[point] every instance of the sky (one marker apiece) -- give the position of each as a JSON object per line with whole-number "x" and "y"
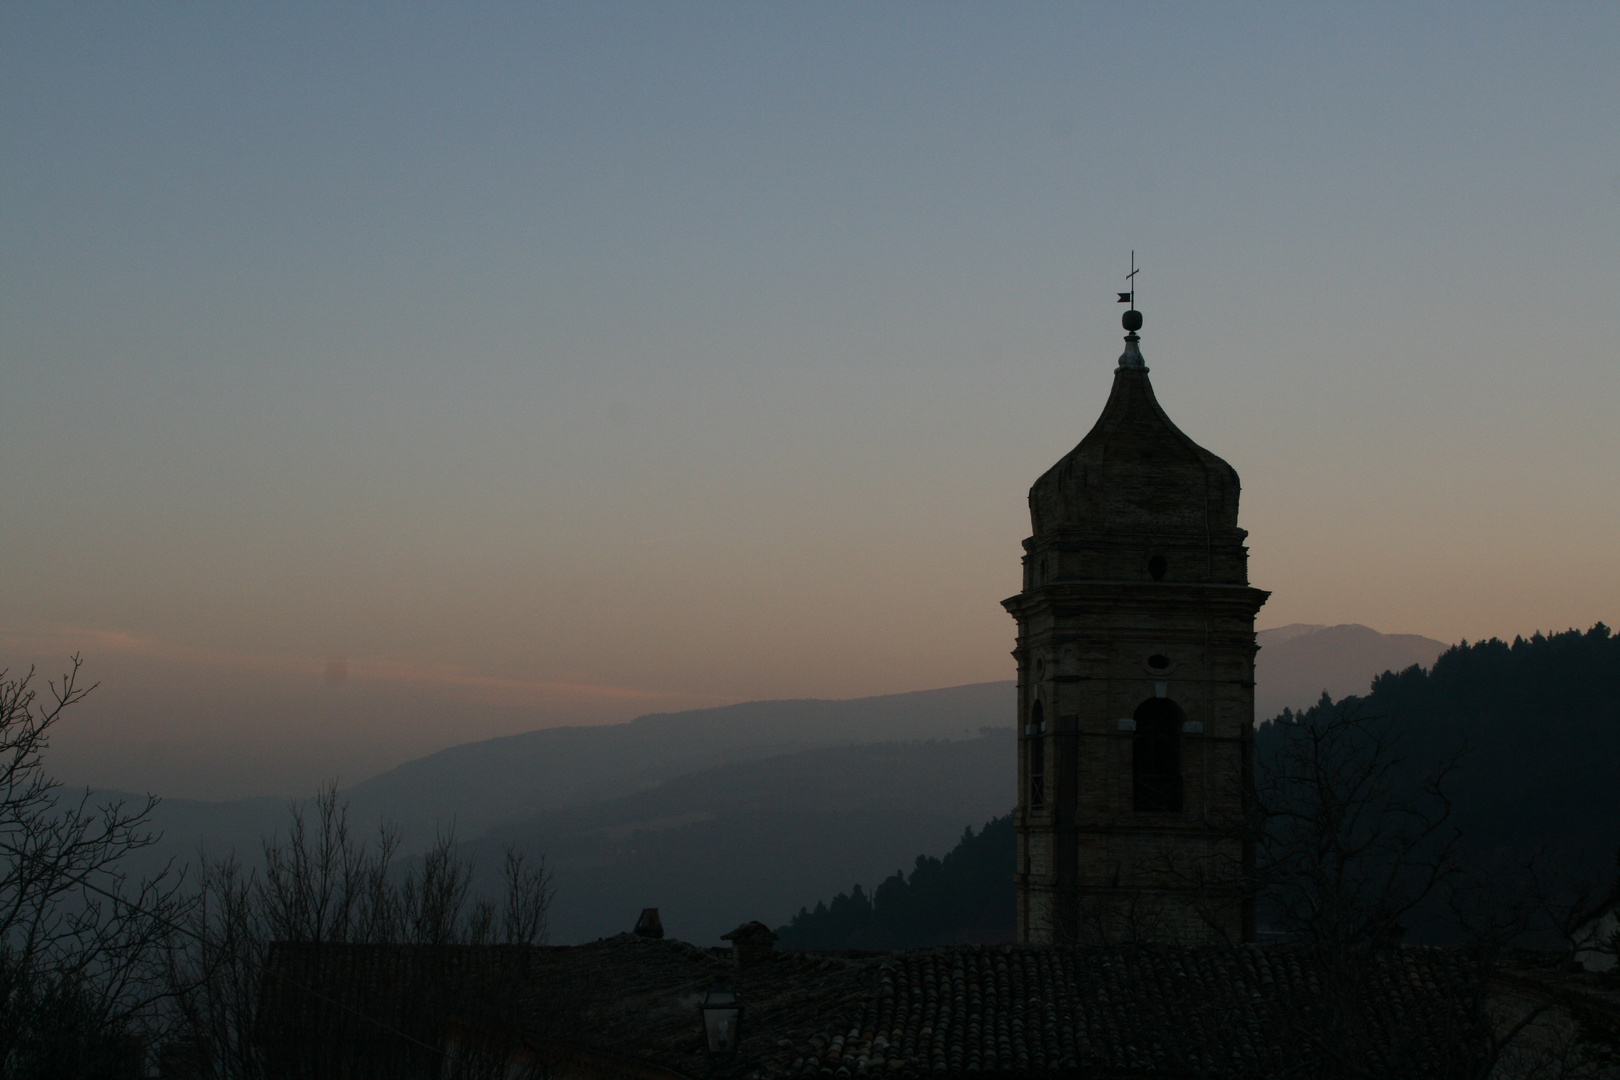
{"x": 379, "y": 377}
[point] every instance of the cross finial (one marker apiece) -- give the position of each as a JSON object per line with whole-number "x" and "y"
{"x": 1132, "y": 321}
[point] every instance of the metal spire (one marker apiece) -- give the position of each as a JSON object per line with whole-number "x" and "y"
{"x": 1131, "y": 358}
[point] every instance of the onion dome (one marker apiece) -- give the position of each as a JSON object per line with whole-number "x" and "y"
{"x": 1136, "y": 472}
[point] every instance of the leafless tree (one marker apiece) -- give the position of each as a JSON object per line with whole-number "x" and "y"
{"x": 322, "y": 884}
{"x": 82, "y": 946}
{"x": 1342, "y": 842}
{"x": 1353, "y": 842}
{"x": 1132, "y": 919}
{"x": 1542, "y": 1029}
{"x": 1350, "y": 842}
{"x": 1349, "y": 838}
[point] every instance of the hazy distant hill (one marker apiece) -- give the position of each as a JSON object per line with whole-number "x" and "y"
{"x": 1299, "y": 661}
{"x": 484, "y": 783}
{"x": 757, "y": 840}
{"x": 478, "y": 785}
{"x": 481, "y": 784}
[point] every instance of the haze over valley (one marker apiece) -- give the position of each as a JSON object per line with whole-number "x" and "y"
{"x": 744, "y": 811}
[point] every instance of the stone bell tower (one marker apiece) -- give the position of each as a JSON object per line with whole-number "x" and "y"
{"x": 1135, "y": 684}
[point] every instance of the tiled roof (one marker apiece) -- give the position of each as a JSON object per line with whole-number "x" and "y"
{"x": 632, "y": 998}
{"x": 951, "y": 1011}
{"x": 1129, "y": 1012}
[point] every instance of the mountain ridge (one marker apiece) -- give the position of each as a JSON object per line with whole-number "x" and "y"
{"x": 478, "y": 786}
{"x": 751, "y": 840}
{"x": 475, "y": 786}
{"x": 1299, "y": 661}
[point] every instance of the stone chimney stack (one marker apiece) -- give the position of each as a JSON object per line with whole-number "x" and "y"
{"x": 751, "y": 942}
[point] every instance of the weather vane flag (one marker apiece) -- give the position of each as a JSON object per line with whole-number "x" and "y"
{"x": 1130, "y": 297}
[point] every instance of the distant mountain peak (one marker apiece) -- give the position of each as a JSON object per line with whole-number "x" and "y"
{"x": 1279, "y": 634}
{"x": 1298, "y": 661}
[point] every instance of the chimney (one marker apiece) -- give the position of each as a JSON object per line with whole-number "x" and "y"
{"x": 750, "y": 943}
{"x": 649, "y": 924}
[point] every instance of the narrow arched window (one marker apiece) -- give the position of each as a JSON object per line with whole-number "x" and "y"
{"x": 1037, "y": 755}
{"x": 1156, "y": 756}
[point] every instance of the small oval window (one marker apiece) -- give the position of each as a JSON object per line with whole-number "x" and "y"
{"x": 1158, "y": 661}
{"x": 1157, "y": 567}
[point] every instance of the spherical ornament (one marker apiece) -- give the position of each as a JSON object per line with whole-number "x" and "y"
{"x": 1131, "y": 320}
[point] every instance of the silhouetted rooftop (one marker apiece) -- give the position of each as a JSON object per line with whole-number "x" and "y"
{"x": 627, "y": 1006}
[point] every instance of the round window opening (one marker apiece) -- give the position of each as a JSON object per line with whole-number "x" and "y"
{"x": 1158, "y": 661}
{"x": 1157, "y": 567}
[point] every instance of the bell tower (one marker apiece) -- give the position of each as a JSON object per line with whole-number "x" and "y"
{"x": 1135, "y": 684}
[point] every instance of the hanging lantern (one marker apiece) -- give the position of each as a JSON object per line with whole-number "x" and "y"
{"x": 722, "y": 1018}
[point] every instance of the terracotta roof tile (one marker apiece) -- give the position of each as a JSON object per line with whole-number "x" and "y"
{"x": 951, "y": 1011}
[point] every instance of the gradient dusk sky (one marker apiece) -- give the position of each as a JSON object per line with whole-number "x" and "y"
{"x": 377, "y": 377}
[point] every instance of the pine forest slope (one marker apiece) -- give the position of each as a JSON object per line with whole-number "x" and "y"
{"x": 1538, "y": 721}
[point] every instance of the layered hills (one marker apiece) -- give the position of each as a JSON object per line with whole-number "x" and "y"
{"x": 475, "y": 786}
{"x": 755, "y": 840}
{"x": 748, "y": 811}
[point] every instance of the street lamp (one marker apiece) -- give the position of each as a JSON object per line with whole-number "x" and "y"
{"x": 722, "y": 1018}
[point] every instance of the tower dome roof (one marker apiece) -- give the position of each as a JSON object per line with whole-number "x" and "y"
{"x": 1136, "y": 472}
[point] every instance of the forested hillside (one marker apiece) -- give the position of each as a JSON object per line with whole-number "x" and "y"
{"x": 1537, "y": 723}
{"x": 966, "y": 896}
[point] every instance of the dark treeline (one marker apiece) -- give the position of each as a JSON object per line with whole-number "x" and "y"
{"x": 1537, "y": 725}
{"x": 966, "y": 896}
{"x": 1534, "y": 726}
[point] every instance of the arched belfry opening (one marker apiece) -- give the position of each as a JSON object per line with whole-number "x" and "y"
{"x": 1135, "y": 656}
{"x": 1156, "y": 756}
{"x": 1037, "y": 754}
